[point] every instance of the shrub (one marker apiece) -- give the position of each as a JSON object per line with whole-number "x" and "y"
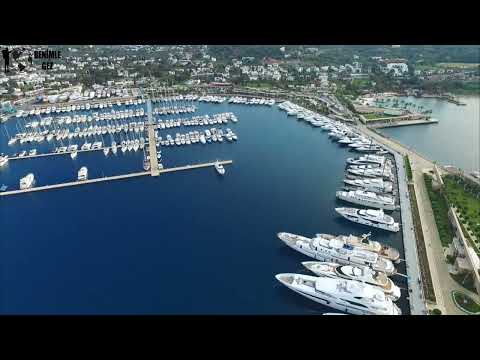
{"x": 450, "y": 259}
{"x": 436, "y": 312}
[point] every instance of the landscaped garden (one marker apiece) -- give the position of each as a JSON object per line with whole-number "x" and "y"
{"x": 465, "y": 303}
{"x": 465, "y": 196}
{"x": 440, "y": 212}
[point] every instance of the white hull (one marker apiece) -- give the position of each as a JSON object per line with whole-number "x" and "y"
{"x": 332, "y": 304}
{"x": 362, "y": 221}
{"x": 356, "y": 201}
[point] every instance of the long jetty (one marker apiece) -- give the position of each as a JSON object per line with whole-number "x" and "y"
{"x": 397, "y": 123}
{"x": 111, "y": 178}
{"x": 152, "y": 143}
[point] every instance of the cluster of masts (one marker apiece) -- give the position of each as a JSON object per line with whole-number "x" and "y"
{"x": 351, "y": 273}
{"x": 173, "y": 110}
{"x": 212, "y": 99}
{"x": 175, "y": 98}
{"x": 198, "y": 121}
{"x": 193, "y": 137}
{"x": 251, "y": 101}
{"x": 77, "y": 107}
{"x": 42, "y": 132}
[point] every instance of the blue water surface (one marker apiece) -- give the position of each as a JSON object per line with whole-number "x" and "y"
{"x": 189, "y": 242}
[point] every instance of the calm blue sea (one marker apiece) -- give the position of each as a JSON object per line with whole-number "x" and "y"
{"x": 184, "y": 243}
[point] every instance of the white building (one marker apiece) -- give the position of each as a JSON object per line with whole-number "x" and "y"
{"x": 399, "y": 68}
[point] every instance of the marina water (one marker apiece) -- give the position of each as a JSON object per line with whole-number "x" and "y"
{"x": 454, "y": 140}
{"x": 189, "y": 242}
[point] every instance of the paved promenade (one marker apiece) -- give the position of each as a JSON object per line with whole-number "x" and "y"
{"x": 443, "y": 283}
{"x": 415, "y": 294}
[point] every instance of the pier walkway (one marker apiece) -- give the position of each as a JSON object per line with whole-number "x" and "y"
{"x": 152, "y": 143}
{"x": 442, "y": 281}
{"x": 397, "y": 123}
{"x": 111, "y": 178}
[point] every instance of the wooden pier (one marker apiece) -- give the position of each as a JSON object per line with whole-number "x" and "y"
{"x": 111, "y": 178}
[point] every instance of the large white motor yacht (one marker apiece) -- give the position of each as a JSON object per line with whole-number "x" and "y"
{"x": 336, "y": 250}
{"x": 364, "y": 242}
{"x": 345, "y": 295}
{"x": 368, "y": 198}
{"x": 369, "y": 217}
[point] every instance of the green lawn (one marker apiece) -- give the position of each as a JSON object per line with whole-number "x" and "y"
{"x": 373, "y": 116}
{"x": 440, "y": 211}
{"x": 465, "y": 302}
{"x": 465, "y": 280}
{"x": 408, "y": 167}
{"x": 465, "y": 197}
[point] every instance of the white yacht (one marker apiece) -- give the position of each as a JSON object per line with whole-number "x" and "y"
{"x": 336, "y": 250}
{"x": 369, "y": 217}
{"x": 373, "y": 173}
{"x": 368, "y": 198}
{"x": 83, "y": 173}
{"x": 27, "y": 182}
{"x": 355, "y": 272}
{"x": 345, "y": 295}
{"x": 364, "y": 242}
{"x": 219, "y": 167}
{"x": 371, "y": 184}
{"x": 369, "y": 159}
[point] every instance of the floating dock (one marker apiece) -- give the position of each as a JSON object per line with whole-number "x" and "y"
{"x": 111, "y": 178}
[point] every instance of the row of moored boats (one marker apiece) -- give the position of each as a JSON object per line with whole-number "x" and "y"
{"x": 192, "y": 137}
{"x": 351, "y": 274}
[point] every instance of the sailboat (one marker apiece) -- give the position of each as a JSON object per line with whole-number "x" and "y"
{"x": 114, "y": 147}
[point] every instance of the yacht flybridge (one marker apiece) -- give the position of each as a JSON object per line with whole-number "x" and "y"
{"x": 355, "y": 272}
